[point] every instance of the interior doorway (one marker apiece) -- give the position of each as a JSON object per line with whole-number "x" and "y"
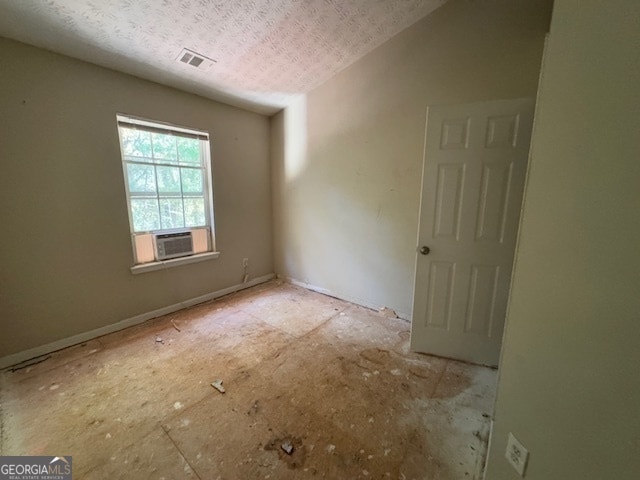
{"x": 475, "y": 163}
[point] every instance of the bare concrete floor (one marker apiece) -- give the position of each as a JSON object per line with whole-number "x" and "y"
{"x": 335, "y": 380}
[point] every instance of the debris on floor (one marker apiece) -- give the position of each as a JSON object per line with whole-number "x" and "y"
{"x": 297, "y": 372}
{"x": 287, "y": 447}
{"x": 217, "y": 384}
{"x": 175, "y": 326}
{"x": 387, "y": 312}
{"x": 254, "y": 408}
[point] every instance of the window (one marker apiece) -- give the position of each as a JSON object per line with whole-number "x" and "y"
{"x": 167, "y": 176}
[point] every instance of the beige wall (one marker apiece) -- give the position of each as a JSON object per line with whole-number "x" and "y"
{"x": 569, "y": 387}
{"x": 65, "y": 249}
{"x": 346, "y": 197}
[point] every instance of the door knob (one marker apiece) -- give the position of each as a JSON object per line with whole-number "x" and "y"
{"x": 424, "y": 250}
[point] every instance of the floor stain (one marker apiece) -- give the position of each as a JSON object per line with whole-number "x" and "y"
{"x": 376, "y": 355}
{"x": 349, "y": 396}
{"x": 451, "y": 385}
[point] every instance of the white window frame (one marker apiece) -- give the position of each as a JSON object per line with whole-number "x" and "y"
{"x": 129, "y": 121}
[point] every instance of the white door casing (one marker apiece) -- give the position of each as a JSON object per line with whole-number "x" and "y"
{"x": 475, "y": 162}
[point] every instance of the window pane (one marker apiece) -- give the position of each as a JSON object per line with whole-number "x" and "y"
{"x": 145, "y": 214}
{"x": 168, "y": 179}
{"x": 191, "y": 180}
{"x": 164, "y": 147}
{"x": 189, "y": 150}
{"x": 194, "y": 212}
{"x": 136, "y": 143}
{"x": 171, "y": 213}
{"x": 141, "y": 178}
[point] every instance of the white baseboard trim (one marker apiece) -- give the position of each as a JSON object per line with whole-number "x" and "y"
{"x": 489, "y": 445}
{"x": 346, "y": 298}
{"x": 16, "y": 358}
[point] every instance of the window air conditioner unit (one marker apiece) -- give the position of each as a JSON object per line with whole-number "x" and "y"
{"x": 173, "y": 245}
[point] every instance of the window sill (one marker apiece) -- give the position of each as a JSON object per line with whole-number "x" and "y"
{"x": 174, "y": 262}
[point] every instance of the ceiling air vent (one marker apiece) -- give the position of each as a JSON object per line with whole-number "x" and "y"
{"x": 195, "y": 59}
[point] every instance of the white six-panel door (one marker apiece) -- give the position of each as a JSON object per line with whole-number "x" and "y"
{"x": 473, "y": 179}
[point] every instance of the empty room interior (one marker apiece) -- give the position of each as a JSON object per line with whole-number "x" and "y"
{"x": 320, "y": 239}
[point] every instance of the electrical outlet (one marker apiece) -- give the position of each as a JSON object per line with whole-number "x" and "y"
{"x": 245, "y": 262}
{"x": 516, "y": 454}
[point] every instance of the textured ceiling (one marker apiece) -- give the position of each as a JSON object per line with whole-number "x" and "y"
{"x": 266, "y": 51}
